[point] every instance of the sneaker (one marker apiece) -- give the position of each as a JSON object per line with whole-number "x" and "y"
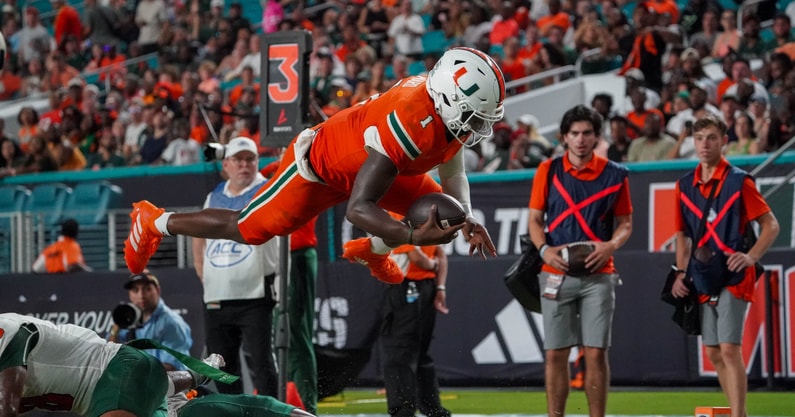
{"x": 144, "y": 237}
{"x": 381, "y": 266}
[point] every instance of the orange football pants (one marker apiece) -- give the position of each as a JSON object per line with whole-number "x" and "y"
{"x": 288, "y": 201}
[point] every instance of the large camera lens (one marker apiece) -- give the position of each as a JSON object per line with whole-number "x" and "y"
{"x": 127, "y": 316}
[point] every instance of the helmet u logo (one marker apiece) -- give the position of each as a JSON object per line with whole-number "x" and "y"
{"x": 468, "y": 91}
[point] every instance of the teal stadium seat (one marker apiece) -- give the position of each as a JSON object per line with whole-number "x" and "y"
{"x": 48, "y": 200}
{"x": 434, "y": 42}
{"x": 13, "y": 198}
{"x": 416, "y": 68}
{"x": 89, "y": 202}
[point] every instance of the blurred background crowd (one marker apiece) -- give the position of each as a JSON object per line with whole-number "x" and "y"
{"x": 133, "y": 82}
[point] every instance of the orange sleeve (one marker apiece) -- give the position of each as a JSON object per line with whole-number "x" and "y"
{"x": 679, "y": 223}
{"x": 624, "y": 202}
{"x": 753, "y": 202}
{"x": 540, "y": 190}
{"x": 403, "y": 249}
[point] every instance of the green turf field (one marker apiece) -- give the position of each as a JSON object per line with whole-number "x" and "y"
{"x": 679, "y": 403}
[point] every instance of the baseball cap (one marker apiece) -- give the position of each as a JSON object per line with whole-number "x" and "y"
{"x": 759, "y": 98}
{"x": 689, "y": 53}
{"x": 528, "y": 120}
{"x": 635, "y": 74}
{"x": 240, "y": 144}
{"x": 217, "y": 3}
{"x": 144, "y": 277}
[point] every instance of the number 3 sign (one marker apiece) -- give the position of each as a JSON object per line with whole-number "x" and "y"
{"x": 285, "y": 83}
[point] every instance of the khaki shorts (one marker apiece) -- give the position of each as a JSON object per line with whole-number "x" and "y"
{"x": 134, "y": 381}
{"x": 583, "y": 313}
{"x": 723, "y": 322}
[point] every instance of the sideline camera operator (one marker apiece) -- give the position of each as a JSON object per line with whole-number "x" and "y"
{"x": 148, "y": 317}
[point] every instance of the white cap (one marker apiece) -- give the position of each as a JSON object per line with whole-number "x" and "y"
{"x": 528, "y": 120}
{"x": 217, "y": 3}
{"x": 636, "y": 74}
{"x": 240, "y": 144}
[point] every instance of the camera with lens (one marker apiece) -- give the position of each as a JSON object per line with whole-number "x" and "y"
{"x": 214, "y": 151}
{"x": 128, "y": 316}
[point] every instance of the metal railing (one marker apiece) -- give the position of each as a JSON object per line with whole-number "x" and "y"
{"x": 23, "y": 235}
{"x": 554, "y": 73}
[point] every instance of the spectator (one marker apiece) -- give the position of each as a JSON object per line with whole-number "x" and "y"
{"x": 478, "y": 25}
{"x": 252, "y": 60}
{"x": 759, "y": 111}
{"x": 693, "y": 71}
{"x": 107, "y": 154}
{"x": 156, "y": 141}
{"x": 619, "y": 146}
{"x": 233, "y": 60}
{"x": 728, "y": 108}
{"x": 34, "y": 40}
{"x": 699, "y": 107}
{"x": 500, "y": 158}
{"x": 272, "y": 14}
{"x": 603, "y": 104}
{"x": 746, "y": 143}
{"x": 38, "y": 157}
{"x": 709, "y": 29}
{"x": 408, "y": 318}
{"x": 654, "y": 145}
{"x": 158, "y": 322}
{"x": 556, "y": 17}
{"x": 181, "y": 150}
{"x": 719, "y": 264}
{"x": 373, "y": 24}
{"x": 236, "y": 19}
{"x": 60, "y": 73}
{"x": 513, "y": 66}
{"x": 27, "y": 119}
{"x": 11, "y": 157}
{"x": 64, "y": 255}
{"x": 100, "y": 24}
{"x": 751, "y": 44}
{"x": 67, "y": 22}
{"x": 633, "y": 79}
{"x": 578, "y": 310}
{"x": 729, "y": 39}
{"x": 405, "y": 32}
{"x": 637, "y": 117}
{"x": 207, "y": 81}
{"x": 666, "y": 10}
{"x": 779, "y": 65}
{"x": 782, "y": 32}
{"x": 150, "y": 16}
{"x": 504, "y": 25}
{"x": 649, "y": 46}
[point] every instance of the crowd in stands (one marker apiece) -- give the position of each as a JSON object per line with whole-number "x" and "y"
{"x": 195, "y": 69}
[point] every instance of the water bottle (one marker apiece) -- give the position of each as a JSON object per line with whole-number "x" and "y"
{"x": 411, "y": 293}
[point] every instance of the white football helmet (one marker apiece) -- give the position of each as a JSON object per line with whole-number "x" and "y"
{"x": 467, "y": 88}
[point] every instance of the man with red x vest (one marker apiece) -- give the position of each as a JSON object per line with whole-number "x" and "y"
{"x": 721, "y": 266}
{"x": 578, "y": 197}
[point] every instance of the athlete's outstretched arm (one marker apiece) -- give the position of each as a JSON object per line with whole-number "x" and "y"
{"x": 210, "y": 223}
{"x": 372, "y": 182}
{"x": 12, "y": 381}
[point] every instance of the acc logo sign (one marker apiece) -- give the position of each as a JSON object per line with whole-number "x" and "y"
{"x": 226, "y": 253}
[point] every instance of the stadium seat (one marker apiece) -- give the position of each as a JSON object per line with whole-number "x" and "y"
{"x": 434, "y": 42}
{"x": 416, "y": 68}
{"x": 89, "y": 202}
{"x": 48, "y": 200}
{"x": 13, "y": 198}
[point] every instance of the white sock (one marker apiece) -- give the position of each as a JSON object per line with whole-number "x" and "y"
{"x": 161, "y": 223}
{"x": 378, "y": 246}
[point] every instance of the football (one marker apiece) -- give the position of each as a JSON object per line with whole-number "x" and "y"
{"x": 449, "y": 212}
{"x": 575, "y": 254}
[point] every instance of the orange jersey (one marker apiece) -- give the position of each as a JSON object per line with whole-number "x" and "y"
{"x": 401, "y": 123}
{"x": 61, "y": 254}
{"x": 414, "y": 272}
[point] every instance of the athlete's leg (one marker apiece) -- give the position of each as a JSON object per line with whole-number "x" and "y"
{"x": 597, "y": 380}
{"x": 557, "y": 380}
